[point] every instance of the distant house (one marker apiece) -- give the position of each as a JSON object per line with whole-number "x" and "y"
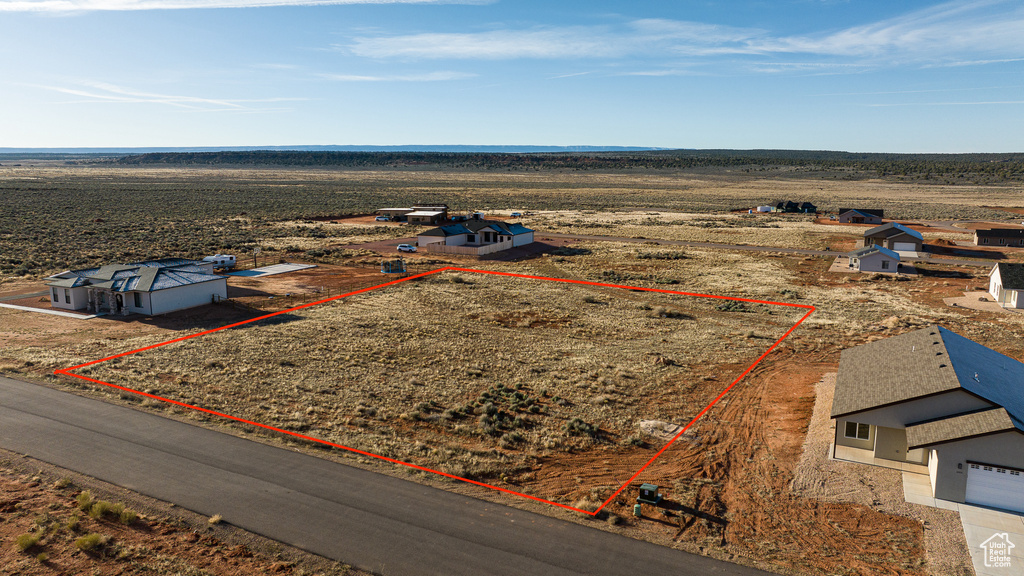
{"x": 999, "y": 237}
{"x": 936, "y": 403}
{"x": 418, "y": 214}
{"x": 394, "y": 213}
{"x": 1006, "y": 285}
{"x": 794, "y": 207}
{"x": 426, "y": 216}
{"x": 152, "y": 287}
{"x": 475, "y": 237}
{"x": 895, "y": 237}
{"x": 874, "y": 259}
{"x": 860, "y": 216}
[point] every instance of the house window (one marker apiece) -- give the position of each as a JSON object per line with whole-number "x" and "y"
{"x": 1002, "y": 241}
{"x": 885, "y": 264}
{"x": 857, "y": 430}
{"x": 67, "y": 296}
{"x": 984, "y": 240}
{"x": 56, "y": 297}
{"x": 471, "y": 237}
{"x": 138, "y": 300}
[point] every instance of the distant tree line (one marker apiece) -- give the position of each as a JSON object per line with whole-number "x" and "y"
{"x": 938, "y": 167}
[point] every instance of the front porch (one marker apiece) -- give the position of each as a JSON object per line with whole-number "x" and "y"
{"x": 863, "y": 456}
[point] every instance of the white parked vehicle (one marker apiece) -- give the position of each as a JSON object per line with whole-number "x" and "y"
{"x": 221, "y": 261}
{"x": 406, "y": 248}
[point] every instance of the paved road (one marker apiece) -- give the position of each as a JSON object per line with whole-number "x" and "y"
{"x": 744, "y": 247}
{"x": 378, "y": 523}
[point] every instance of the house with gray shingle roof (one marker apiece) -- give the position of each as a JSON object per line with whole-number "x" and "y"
{"x": 874, "y": 259}
{"x": 894, "y": 236}
{"x": 860, "y": 216}
{"x": 1006, "y": 284}
{"x": 475, "y": 237}
{"x": 935, "y": 402}
{"x": 999, "y": 237}
{"x": 151, "y": 287}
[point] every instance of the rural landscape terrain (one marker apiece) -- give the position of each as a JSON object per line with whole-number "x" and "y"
{"x": 557, "y": 390}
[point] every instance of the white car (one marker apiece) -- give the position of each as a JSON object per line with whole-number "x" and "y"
{"x": 382, "y": 219}
{"x": 406, "y": 248}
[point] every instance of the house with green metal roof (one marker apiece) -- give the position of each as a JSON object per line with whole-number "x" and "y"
{"x": 475, "y": 237}
{"x": 933, "y": 402}
{"x": 151, "y": 287}
{"x": 1006, "y": 284}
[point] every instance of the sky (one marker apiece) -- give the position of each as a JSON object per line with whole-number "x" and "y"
{"x": 854, "y": 75}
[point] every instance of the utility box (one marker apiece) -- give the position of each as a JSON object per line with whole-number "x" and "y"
{"x": 649, "y": 494}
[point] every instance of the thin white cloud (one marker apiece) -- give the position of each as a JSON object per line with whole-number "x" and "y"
{"x": 986, "y": 26}
{"x": 988, "y": 103}
{"x": 953, "y": 33}
{"x": 425, "y": 77}
{"x": 637, "y": 37}
{"x": 99, "y": 92}
{"x": 126, "y": 5}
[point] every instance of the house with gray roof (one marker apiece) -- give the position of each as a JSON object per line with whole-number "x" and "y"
{"x": 151, "y": 287}
{"x": 475, "y": 237}
{"x": 999, "y": 237}
{"x": 860, "y": 216}
{"x": 935, "y": 402}
{"x": 874, "y": 259}
{"x": 894, "y": 236}
{"x": 1006, "y": 284}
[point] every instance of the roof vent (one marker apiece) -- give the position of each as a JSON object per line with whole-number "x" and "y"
{"x": 942, "y": 365}
{"x": 976, "y": 377}
{"x": 938, "y": 353}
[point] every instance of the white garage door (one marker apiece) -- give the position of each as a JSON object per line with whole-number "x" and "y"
{"x": 904, "y": 246}
{"x": 996, "y": 487}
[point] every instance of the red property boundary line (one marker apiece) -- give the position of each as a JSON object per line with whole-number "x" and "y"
{"x": 810, "y": 309}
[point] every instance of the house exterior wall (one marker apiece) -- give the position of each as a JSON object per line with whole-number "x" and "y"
{"x": 78, "y": 297}
{"x": 188, "y": 296}
{"x": 891, "y": 444}
{"x": 477, "y": 250}
{"x": 424, "y": 240}
{"x": 842, "y": 440}
{"x": 990, "y": 241}
{"x": 1005, "y": 449}
{"x": 522, "y": 239}
{"x": 147, "y": 304}
{"x": 912, "y": 411}
{"x": 854, "y": 218}
{"x": 1006, "y": 298}
{"x": 995, "y": 284}
{"x": 891, "y": 241}
{"x": 873, "y": 263}
{"x": 933, "y": 468}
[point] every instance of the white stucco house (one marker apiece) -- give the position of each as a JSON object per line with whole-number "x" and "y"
{"x": 152, "y": 287}
{"x": 874, "y": 259}
{"x": 476, "y": 237}
{"x": 1006, "y": 284}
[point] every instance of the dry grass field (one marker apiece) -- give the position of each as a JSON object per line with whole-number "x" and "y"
{"x": 535, "y": 386}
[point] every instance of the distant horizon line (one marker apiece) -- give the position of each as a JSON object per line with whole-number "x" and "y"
{"x": 436, "y": 148}
{"x": 329, "y": 148}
